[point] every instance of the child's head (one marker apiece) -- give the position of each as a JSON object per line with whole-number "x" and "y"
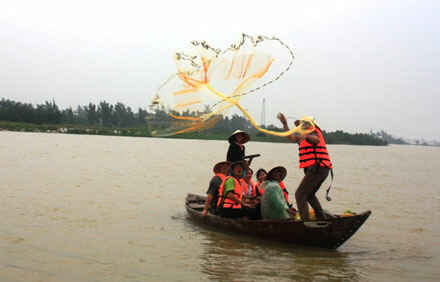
{"x": 261, "y": 174}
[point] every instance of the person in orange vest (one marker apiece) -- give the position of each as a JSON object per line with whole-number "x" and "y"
{"x": 231, "y": 192}
{"x": 315, "y": 160}
{"x": 261, "y": 176}
{"x": 248, "y": 184}
{"x": 221, "y": 170}
{"x": 251, "y": 199}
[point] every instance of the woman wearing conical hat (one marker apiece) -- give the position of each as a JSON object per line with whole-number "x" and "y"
{"x": 315, "y": 160}
{"x": 236, "y": 148}
{"x": 273, "y": 202}
{"x": 278, "y": 174}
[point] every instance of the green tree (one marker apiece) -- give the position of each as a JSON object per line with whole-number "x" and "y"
{"x": 92, "y": 114}
{"x": 67, "y": 116}
{"x": 105, "y": 113}
{"x": 81, "y": 115}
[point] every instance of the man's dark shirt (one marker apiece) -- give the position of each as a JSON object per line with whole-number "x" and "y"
{"x": 235, "y": 153}
{"x": 213, "y": 188}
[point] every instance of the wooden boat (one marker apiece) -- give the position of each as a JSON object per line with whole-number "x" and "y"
{"x": 329, "y": 233}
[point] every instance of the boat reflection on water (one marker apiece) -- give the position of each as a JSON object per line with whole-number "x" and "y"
{"x": 234, "y": 257}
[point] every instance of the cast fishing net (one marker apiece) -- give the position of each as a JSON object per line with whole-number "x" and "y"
{"x": 210, "y": 81}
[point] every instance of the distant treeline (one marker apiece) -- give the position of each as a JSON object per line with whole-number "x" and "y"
{"x": 105, "y": 116}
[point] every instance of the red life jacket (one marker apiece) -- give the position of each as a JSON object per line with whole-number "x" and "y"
{"x": 223, "y": 201}
{"x": 221, "y": 175}
{"x": 283, "y": 188}
{"x": 309, "y": 154}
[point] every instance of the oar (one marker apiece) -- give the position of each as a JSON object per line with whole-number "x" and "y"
{"x": 251, "y": 157}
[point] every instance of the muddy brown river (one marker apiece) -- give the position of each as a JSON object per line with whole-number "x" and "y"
{"x": 100, "y": 208}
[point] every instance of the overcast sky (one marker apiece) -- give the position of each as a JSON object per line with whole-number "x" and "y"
{"x": 360, "y": 65}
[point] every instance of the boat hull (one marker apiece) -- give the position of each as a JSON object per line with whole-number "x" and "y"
{"x": 330, "y": 233}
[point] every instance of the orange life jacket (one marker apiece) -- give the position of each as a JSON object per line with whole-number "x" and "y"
{"x": 223, "y": 201}
{"x": 309, "y": 154}
{"x": 283, "y": 188}
{"x": 221, "y": 175}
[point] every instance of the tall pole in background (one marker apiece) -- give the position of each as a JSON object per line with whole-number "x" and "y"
{"x": 263, "y": 113}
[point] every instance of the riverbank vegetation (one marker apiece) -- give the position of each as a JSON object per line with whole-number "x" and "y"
{"x": 119, "y": 119}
